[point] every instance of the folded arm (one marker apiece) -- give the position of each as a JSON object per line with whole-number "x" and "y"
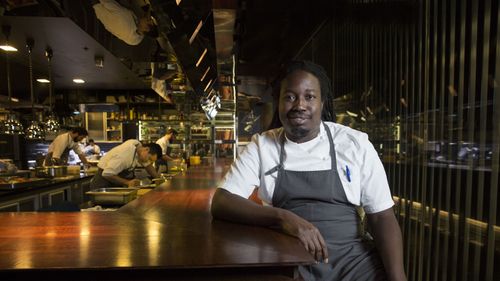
{"x": 231, "y": 207}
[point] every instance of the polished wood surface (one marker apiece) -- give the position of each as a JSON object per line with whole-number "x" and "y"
{"x": 167, "y": 228}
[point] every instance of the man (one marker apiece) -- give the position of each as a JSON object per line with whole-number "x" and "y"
{"x": 165, "y": 141}
{"x": 123, "y": 23}
{"x": 311, "y": 176}
{"x": 58, "y": 151}
{"x": 92, "y": 148}
{"x": 116, "y": 168}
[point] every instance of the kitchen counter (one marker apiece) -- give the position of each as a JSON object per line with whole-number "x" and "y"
{"x": 47, "y": 183}
{"x": 168, "y": 234}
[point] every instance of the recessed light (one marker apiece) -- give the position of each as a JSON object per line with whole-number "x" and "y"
{"x": 42, "y": 80}
{"x": 8, "y": 48}
{"x": 78, "y": 81}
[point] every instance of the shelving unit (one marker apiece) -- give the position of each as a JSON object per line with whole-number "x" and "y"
{"x": 102, "y": 127}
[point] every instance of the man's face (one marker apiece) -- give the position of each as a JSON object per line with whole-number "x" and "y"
{"x": 144, "y": 156}
{"x": 145, "y": 24}
{"x": 78, "y": 138}
{"x": 300, "y": 106}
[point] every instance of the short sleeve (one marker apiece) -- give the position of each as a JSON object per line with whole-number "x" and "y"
{"x": 77, "y": 149}
{"x": 375, "y": 191}
{"x": 59, "y": 145}
{"x": 243, "y": 176}
{"x": 114, "y": 166}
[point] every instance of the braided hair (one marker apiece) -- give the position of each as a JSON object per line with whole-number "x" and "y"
{"x": 328, "y": 113}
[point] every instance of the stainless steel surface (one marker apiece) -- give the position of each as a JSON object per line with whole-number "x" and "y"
{"x": 113, "y": 195}
{"x": 51, "y": 171}
{"x": 11, "y": 184}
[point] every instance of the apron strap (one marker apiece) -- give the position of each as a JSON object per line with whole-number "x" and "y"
{"x": 282, "y": 153}
{"x": 332, "y": 147}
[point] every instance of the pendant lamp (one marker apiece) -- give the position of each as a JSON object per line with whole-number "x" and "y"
{"x": 11, "y": 126}
{"x": 51, "y": 123}
{"x": 34, "y": 130}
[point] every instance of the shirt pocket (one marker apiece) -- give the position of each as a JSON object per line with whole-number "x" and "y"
{"x": 350, "y": 181}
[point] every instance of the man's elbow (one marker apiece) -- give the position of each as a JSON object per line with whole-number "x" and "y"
{"x": 217, "y": 206}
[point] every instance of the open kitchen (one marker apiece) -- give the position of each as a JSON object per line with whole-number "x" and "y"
{"x": 249, "y": 140}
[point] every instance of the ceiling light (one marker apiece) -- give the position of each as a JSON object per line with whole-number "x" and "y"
{"x": 205, "y": 74}
{"x": 178, "y": 2}
{"x": 197, "y": 29}
{"x": 11, "y": 126}
{"x": 8, "y": 48}
{"x": 42, "y": 80}
{"x": 201, "y": 57}
{"x": 78, "y": 81}
{"x": 352, "y": 114}
{"x": 208, "y": 84}
{"x": 35, "y": 131}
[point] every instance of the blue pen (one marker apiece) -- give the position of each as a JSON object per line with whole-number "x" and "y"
{"x": 348, "y": 173}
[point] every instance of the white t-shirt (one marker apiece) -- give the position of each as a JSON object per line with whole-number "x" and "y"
{"x": 120, "y": 21}
{"x": 92, "y": 149}
{"x": 61, "y": 142}
{"x": 121, "y": 158}
{"x": 367, "y": 187}
{"x": 163, "y": 142}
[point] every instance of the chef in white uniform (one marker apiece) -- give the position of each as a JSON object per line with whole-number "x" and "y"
{"x": 313, "y": 175}
{"x": 116, "y": 168}
{"x": 58, "y": 151}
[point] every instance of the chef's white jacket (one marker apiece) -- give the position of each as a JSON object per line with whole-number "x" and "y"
{"x": 366, "y": 186}
{"x": 62, "y": 142}
{"x": 118, "y": 20}
{"x": 121, "y": 158}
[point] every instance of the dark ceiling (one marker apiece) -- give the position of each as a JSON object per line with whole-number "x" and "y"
{"x": 74, "y": 53}
{"x": 269, "y": 33}
{"x": 266, "y": 34}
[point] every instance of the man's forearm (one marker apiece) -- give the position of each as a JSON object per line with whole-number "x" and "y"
{"x": 116, "y": 180}
{"x": 166, "y": 157}
{"x": 228, "y": 206}
{"x": 387, "y": 235}
{"x": 83, "y": 159}
{"x": 151, "y": 171}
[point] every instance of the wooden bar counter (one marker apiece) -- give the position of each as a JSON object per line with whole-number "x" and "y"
{"x": 167, "y": 234}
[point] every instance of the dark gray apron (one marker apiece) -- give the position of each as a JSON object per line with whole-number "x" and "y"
{"x": 98, "y": 181}
{"x": 318, "y": 197}
{"x": 63, "y": 160}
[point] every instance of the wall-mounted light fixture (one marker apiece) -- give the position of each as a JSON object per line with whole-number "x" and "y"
{"x": 43, "y": 80}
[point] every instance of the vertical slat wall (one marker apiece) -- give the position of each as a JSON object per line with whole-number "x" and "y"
{"x": 422, "y": 78}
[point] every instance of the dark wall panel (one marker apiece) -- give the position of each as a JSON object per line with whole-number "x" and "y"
{"x": 422, "y": 79}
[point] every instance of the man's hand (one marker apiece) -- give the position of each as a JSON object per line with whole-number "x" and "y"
{"x": 307, "y": 233}
{"x": 133, "y": 183}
